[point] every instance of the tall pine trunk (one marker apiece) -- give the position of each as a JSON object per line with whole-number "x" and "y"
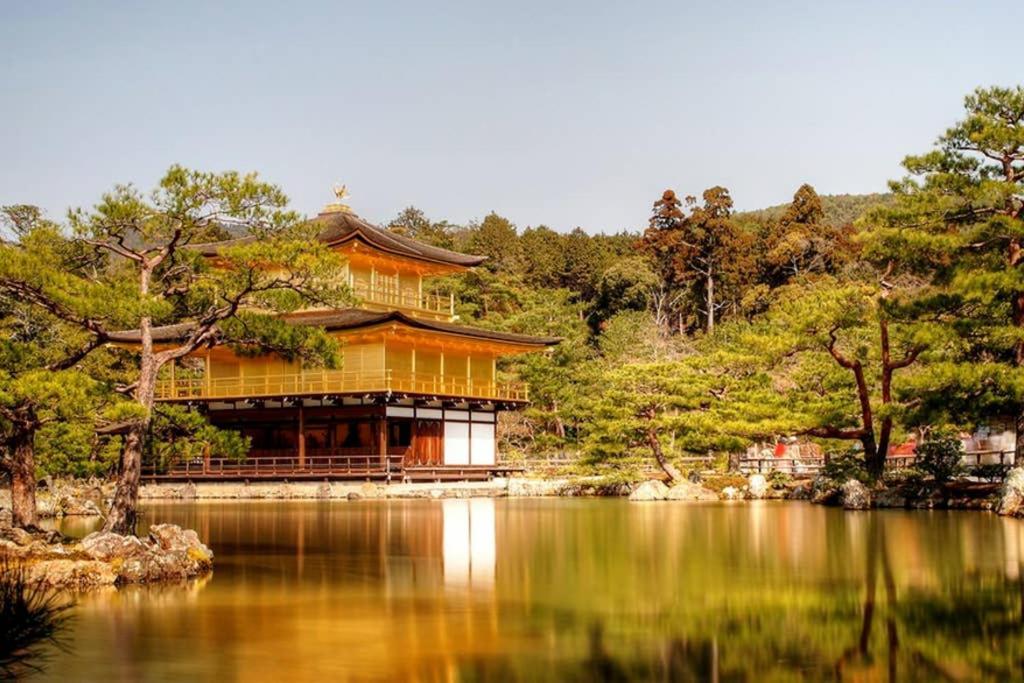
{"x": 874, "y": 457}
{"x": 23, "y": 475}
{"x": 123, "y": 516}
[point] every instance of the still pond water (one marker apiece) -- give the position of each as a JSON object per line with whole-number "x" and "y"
{"x": 546, "y": 589}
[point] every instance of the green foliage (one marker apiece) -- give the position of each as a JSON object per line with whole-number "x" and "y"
{"x": 841, "y": 467}
{"x": 496, "y": 238}
{"x": 179, "y": 434}
{"x": 941, "y": 456}
{"x": 413, "y": 223}
{"x": 957, "y": 226}
{"x": 992, "y": 472}
{"x": 73, "y": 449}
{"x": 627, "y": 285}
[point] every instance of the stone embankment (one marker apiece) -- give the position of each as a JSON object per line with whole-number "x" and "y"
{"x": 64, "y": 498}
{"x": 515, "y": 487}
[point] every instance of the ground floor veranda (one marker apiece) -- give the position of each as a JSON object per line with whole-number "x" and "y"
{"x": 348, "y": 438}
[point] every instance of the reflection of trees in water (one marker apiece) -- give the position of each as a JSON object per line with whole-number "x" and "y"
{"x": 940, "y": 622}
{"x": 971, "y": 628}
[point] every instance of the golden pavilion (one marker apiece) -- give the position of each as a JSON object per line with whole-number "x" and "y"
{"x": 417, "y": 394}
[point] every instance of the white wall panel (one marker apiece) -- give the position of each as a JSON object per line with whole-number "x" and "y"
{"x": 456, "y": 443}
{"x": 482, "y": 444}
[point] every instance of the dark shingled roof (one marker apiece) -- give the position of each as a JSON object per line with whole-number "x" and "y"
{"x": 338, "y": 227}
{"x": 352, "y": 319}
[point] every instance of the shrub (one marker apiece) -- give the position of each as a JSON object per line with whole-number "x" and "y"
{"x": 904, "y": 475}
{"x": 844, "y": 466}
{"x": 990, "y": 473}
{"x": 940, "y": 456}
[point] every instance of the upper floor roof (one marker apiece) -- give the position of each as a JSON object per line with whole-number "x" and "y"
{"x": 339, "y": 227}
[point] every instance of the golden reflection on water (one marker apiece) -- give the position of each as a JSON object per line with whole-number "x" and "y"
{"x": 488, "y": 589}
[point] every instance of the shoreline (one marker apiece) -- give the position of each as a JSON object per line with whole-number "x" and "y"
{"x": 87, "y": 498}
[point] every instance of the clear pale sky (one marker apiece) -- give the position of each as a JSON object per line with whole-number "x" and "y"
{"x": 562, "y": 113}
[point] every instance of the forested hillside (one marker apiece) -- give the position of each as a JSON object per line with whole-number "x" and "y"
{"x": 837, "y": 209}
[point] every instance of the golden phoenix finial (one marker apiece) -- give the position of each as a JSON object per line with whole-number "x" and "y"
{"x": 340, "y": 192}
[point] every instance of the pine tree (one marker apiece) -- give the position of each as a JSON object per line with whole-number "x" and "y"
{"x": 143, "y": 271}
{"x": 41, "y": 378}
{"x": 958, "y": 223}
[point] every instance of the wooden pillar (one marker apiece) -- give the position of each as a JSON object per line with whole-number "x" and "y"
{"x": 206, "y": 374}
{"x": 302, "y": 435}
{"x": 382, "y": 441}
{"x": 206, "y": 459}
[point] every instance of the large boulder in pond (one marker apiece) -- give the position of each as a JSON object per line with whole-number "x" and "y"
{"x": 855, "y": 496}
{"x": 1011, "y": 497}
{"x": 690, "y": 492}
{"x": 757, "y": 487}
{"x": 107, "y": 547}
{"x": 650, "y": 490}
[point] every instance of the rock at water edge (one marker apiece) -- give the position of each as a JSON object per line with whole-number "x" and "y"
{"x": 688, "y": 491}
{"x": 1011, "y": 497}
{"x": 650, "y": 490}
{"x": 856, "y": 496}
{"x": 757, "y": 486}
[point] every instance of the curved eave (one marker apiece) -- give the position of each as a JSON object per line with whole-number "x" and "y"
{"x": 362, "y": 238}
{"x": 351, "y": 320}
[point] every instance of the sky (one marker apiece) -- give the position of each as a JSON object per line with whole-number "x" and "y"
{"x": 564, "y": 114}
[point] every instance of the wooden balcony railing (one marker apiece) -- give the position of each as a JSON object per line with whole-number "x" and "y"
{"x": 327, "y": 382}
{"x": 443, "y": 306}
{"x": 282, "y": 463}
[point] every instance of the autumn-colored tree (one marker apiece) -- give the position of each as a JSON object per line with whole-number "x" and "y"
{"x": 702, "y": 252}
{"x": 801, "y": 243}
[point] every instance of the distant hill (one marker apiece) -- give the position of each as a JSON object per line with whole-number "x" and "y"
{"x": 840, "y": 209}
